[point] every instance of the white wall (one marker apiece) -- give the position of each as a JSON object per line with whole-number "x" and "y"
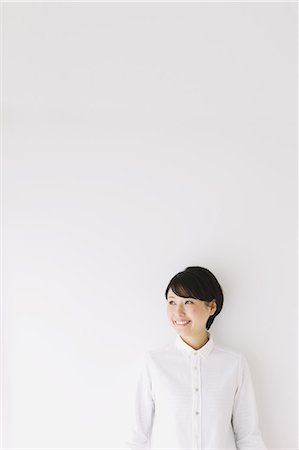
{"x": 140, "y": 139}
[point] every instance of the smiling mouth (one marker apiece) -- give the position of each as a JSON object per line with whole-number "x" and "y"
{"x": 182, "y": 323}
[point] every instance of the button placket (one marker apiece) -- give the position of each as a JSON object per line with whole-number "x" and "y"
{"x": 196, "y": 399}
{"x": 199, "y": 404}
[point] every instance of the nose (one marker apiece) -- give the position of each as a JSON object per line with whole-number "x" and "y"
{"x": 180, "y": 311}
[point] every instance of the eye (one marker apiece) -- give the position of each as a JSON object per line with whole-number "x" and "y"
{"x": 171, "y": 301}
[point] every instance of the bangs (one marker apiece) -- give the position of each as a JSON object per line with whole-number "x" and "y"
{"x": 187, "y": 285}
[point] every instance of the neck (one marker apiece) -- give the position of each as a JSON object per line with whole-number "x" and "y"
{"x": 197, "y": 341}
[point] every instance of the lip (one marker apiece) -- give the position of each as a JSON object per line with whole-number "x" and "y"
{"x": 181, "y": 325}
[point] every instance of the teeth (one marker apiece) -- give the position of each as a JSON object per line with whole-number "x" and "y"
{"x": 182, "y": 323}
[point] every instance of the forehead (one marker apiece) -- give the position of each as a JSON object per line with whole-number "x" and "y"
{"x": 172, "y": 295}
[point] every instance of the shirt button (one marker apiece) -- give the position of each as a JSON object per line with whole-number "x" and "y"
{"x": 195, "y": 368}
{"x": 194, "y": 353}
{"x": 196, "y": 389}
{"x": 197, "y": 412}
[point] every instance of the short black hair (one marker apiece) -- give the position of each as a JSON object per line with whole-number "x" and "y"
{"x": 198, "y": 283}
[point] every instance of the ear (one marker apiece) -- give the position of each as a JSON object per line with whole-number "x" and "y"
{"x": 213, "y": 306}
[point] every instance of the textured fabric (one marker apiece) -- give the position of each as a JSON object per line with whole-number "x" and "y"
{"x": 195, "y": 399}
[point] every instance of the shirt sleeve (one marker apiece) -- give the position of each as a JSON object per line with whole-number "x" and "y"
{"x": 144, "y": 408}
{"x": 245, "y": 416}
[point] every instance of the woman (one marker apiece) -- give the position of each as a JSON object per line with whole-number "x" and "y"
{"x": 193, "y": 393}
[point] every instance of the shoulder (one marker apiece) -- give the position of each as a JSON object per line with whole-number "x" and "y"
{"x": 160, "y": 354}
{"x": 227, "y": 352}
{"x": 153, "y": 351}
{"x": 228, "y": 357}
{"x": 160, "y": 351}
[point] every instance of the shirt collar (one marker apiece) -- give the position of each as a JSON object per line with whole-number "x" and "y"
{"x": 204, "y": 351}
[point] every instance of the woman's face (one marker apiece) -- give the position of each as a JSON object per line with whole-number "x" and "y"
{"x": 188, "y": 316}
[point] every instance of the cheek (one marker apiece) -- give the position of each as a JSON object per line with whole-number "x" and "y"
{"x": 197, "y": 313}
{"x": 168, "y": 312}
{"x": 194, "y": 312}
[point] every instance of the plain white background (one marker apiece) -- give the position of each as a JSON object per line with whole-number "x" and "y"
{"x": 139, "y": 139}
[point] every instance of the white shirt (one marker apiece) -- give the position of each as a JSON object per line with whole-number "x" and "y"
{"x": 195, "y": 399}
